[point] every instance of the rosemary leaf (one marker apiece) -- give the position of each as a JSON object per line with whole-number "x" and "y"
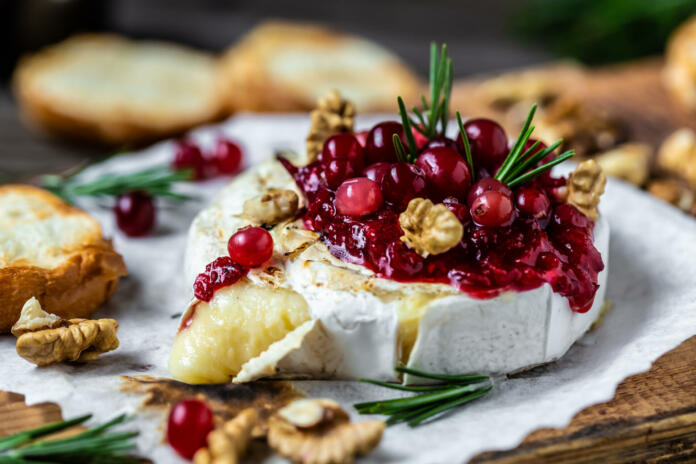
{"x": 519, "y": 144}
{"x": 411, "y": 388}
{"x": 448, "y": 405}
{"x": 531, "y": 160}
{"x": 399, "y": 148}
{"x": 535, "y": 172}
{"x": 467, "y": 147}
{"x": 399, "y": 404}
{"x": 459, "y": 379}
{"x": 410, "y": 139}
{"x": 28, "y": 435}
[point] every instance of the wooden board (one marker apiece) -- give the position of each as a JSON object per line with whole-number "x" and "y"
{"x": 652, "y": 417}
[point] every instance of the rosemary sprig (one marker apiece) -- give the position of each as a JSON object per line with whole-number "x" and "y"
{"x": 95, "y": 445}
{"x": 517, "y": 167}
{"x": 156, "y": 181}
{"x": 430, "y": 401}
{"x": 432, "y": 119}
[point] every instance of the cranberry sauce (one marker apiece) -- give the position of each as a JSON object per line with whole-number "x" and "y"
{"x": 220, "y": 273}
{"x": 554, "y": 247}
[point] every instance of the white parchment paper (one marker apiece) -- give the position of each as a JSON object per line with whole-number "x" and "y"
{"x": 652, "y": 283}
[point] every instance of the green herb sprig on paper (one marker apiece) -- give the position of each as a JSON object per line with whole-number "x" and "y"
{"x": 157, "y": 182}
{"x": 431, "y": 400}
{"x": 96, "y": 445}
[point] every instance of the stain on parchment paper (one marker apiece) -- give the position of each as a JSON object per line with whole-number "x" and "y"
{"x": 225, "y": 400}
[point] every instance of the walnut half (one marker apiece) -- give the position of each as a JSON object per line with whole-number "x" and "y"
{"x": 43, "y": 340}
{"x": 332, "y": 115}
{"x": 430, "y": 229}
{"x": 585, "y": 186}
{"x": 330, "y": 439}
{"x": 271, "y": 207}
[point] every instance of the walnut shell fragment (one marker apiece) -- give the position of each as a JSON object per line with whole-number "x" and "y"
{"x": 271, "y": 207}
{"x": 585, "y": 186}
{"x": 332, "y": 115}
{"x": 228, "y": 444}
{"x": 76, "y": 340}
{"x": 331, "y": 440}
{"x": 430, "y": 229}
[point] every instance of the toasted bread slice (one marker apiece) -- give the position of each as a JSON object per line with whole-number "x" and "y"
{"x": 286, "y": 66}
{"x": 114, "y": 90}
{"x": 54, "y": 252}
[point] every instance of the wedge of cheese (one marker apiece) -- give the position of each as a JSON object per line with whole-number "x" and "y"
{"x": 351, "y": 323}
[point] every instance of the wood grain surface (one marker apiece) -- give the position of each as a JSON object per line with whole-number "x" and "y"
{"x": 652, "y": 417}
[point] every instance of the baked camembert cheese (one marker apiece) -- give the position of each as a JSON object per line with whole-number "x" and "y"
{"x": 391, "y": 249}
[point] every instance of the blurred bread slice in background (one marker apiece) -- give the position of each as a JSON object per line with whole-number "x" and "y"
{"x": 54, "y": 252}
{"x": 288, "y": 66}
{"x": 110, "y": 89}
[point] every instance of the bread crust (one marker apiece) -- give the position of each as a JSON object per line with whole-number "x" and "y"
{"x": 250, "y": 86}
{"x": 86, "y": 277}
{"x": 113, "y": 123}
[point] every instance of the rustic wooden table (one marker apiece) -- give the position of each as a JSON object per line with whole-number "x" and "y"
{"x": 652, "y": 417}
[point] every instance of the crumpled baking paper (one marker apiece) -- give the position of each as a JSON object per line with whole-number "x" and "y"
{"x": 652, "y": 284}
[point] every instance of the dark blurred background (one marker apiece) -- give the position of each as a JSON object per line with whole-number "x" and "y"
{"x": 483, "y": 36}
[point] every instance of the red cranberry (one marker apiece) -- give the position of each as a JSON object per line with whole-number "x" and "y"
{"x": 441, "y": 142}
{"x": 484, "y": 185}
{"x": 488, "y": 143}
{"x": 492, "y": 209}
{"x": 343, "y": 146}
{"x": 358, "y": 197}
{"x": 446, "y": 173}
{"x": 402, "y": 183}
{"x": 189, "y": 156}
{"x": 459, "y": 209}
{"x": 532, "y": 202}
{"x": 220, "y": 273}
{"x": 135, "y": 213}
{"x": 190, "y": 421}
{"x": 377, "y": 171}
{"x": 567, "y": 215}
{"x": 362, "y": 137}
{"x": 380, "y": 142}
{"x": 421, "y": 140}
{"x": 227, "y": 156}
{"x": 400, "y": 262}
{"x": 250, "y": 246}
{"x": 339, "y": 170}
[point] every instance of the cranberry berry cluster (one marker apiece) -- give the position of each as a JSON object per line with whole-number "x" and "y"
{"x": 135, "y": 209}
{"x": 518, "y": 230}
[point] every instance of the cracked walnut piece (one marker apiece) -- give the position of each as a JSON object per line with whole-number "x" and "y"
{"x": 332, "y": 115}
{"x": 331, "y": 439}
{"x": 629, "y": 162}
{"x": 585, "y": 186}
{"x": 228, "y": 444}
{"x": 271, "y": 207}
{"x": 677, "y": 155}
{"x": 430, "y": 229}
{"x": 43, "y": 340}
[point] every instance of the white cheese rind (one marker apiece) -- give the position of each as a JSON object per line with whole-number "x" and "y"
{"x": 359, "y": 312}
